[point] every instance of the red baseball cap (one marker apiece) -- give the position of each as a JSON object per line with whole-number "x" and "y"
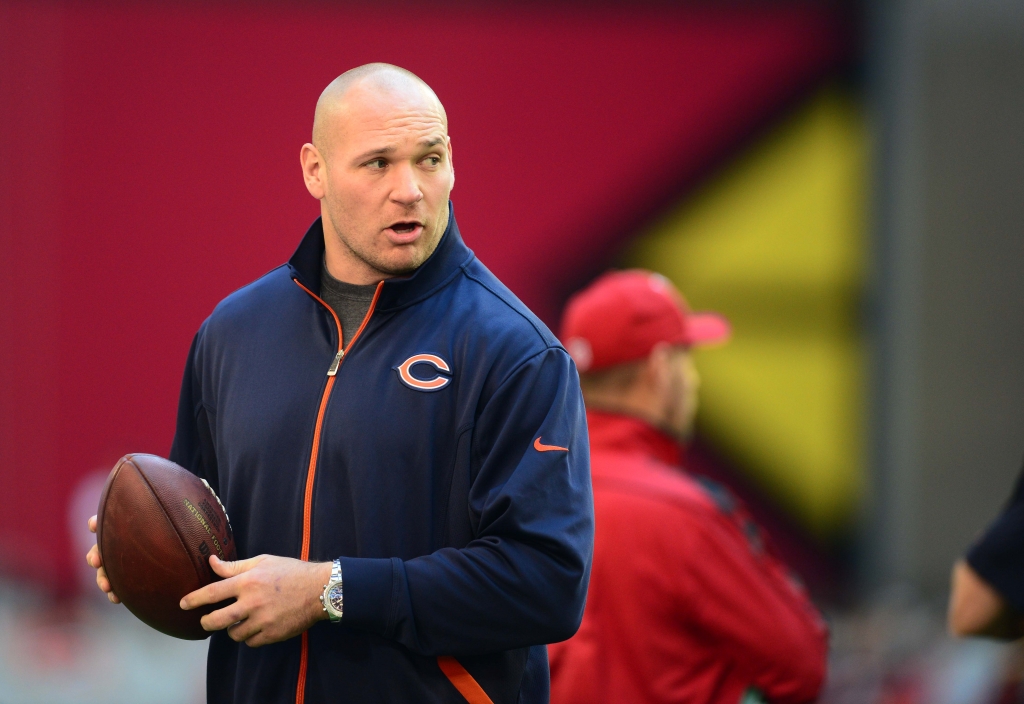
{"x": 622, "y": 315}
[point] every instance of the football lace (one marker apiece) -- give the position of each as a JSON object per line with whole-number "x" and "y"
{"x": 218, "y": 501}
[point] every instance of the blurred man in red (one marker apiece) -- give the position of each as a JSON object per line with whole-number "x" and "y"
{"x": 685, "y": 603}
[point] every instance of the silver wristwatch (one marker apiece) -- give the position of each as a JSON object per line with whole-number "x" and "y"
{"x": 333, "y": 599}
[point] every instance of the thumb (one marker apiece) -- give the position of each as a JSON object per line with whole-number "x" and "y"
{"x": 231, "y": 568}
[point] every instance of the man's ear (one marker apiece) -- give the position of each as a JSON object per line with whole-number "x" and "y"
{"x": 314, "y": 170}
{"x": 657, "y": 371}
{"x": 451, "y": 162}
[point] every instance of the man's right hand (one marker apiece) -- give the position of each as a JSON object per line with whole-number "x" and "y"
{"x": 977, "y": 609}
{"x": 94, "y": 560}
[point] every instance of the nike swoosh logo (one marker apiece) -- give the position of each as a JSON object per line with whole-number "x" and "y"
{"x": 541, "y": 447}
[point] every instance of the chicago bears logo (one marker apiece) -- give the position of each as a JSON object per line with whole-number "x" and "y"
{"x": 433, "y": 383}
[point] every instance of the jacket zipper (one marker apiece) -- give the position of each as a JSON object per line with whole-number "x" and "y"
{"x": 307, "y": 504}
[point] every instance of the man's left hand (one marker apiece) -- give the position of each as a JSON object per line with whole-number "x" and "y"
{"x": 276, "y": 598}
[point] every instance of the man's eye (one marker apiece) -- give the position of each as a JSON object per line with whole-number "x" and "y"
{"x": 432, "y": 160}
{"x": 377, "y": 164}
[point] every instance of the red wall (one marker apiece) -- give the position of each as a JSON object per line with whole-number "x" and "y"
{"x": 149, "y": 166}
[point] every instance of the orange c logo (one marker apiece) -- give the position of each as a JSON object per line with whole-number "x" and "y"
{"x": 434, "y": 383}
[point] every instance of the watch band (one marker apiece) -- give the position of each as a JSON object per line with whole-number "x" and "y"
{"x": 333, "y": 597}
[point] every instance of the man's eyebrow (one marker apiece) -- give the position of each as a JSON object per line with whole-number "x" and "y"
{"x": 426, "y": 143}
{"x": 379, "y": 151}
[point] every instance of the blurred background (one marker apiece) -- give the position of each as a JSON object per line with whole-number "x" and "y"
{"x": 844, "y": 181}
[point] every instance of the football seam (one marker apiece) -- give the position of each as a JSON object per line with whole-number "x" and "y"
{"x": 167, "y": 515}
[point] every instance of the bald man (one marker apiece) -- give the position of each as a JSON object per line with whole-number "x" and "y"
{"x": 399, "y": 442}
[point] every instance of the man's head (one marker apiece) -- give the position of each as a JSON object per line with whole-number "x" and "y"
{"x": 630, "y": 334}
{"x": 380, "y": 164}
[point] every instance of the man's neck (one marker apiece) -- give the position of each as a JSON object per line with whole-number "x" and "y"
{"x": 345, "y": 266}
{"x": 342, "y": 263}
{"x": 633, "y": 412}
{"x": 625, "y": 404}
{"x": 636, "y": 405}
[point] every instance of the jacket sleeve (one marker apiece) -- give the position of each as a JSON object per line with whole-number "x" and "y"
{"x": 998, "y": 555}
{"x": 748, "y": 601}
{"x": 192, "y": 447}
{"x": 522, "y": 579}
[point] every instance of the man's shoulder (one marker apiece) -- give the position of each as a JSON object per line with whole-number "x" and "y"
{"x": 256, "y": 298}
{"x": 265, "y": 298}
{"x": 640, "y": 483}
{"x": 497, "y": 313}
{"x": 642, "y": 490}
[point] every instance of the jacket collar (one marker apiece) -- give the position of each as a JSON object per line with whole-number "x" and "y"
{"x": 442, "y": 266}
{"x": 624, "y": 433}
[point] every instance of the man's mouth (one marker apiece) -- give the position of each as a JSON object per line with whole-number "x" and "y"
{"x": 404, "y": 232}
{"x": 404, "y": 228}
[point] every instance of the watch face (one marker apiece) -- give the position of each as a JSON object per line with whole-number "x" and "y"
{"x": 335, "y": 597}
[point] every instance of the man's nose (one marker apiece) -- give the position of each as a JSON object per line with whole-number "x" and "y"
{"x": 406, "y": 188}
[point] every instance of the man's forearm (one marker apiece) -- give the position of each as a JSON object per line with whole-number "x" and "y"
{"x": 468, "y": 600}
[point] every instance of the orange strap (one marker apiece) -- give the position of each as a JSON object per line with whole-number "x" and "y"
{"x": 463, "y": 681}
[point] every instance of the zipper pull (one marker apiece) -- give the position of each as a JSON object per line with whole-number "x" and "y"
{"x": 336, "y": 363}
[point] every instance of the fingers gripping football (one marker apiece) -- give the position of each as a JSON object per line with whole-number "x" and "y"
{"x": 94, "y": 560}
{"x": 275, "y": 597}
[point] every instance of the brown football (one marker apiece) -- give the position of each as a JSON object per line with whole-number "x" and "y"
{"x": 157, "y": 526}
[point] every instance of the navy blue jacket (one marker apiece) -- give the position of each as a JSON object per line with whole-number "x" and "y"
{"x": 454, "y": 485}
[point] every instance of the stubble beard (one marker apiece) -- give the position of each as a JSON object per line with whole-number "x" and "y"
{"x": 380, "y": 264}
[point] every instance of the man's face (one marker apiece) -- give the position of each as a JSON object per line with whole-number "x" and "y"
{"x": 681, "y": 404}
{"x": 388, "y": 178}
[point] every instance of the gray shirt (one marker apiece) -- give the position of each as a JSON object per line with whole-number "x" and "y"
{"x": 349, "y": 301}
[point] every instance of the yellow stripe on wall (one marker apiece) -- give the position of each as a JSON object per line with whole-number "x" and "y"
{"x": 777, "y": 244}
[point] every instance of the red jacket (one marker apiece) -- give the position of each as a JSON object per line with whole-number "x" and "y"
{"x": 684, "y": 604}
